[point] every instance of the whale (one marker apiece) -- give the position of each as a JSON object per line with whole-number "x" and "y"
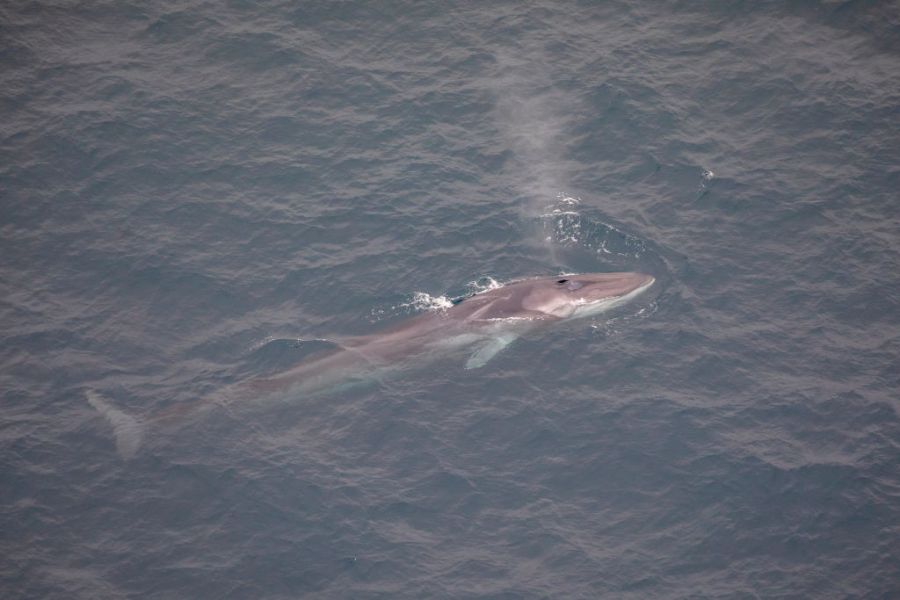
{"x": 479, "y": 327}
{"x": 483, "y": 325}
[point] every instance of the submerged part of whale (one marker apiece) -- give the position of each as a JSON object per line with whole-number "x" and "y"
{"x": 484, "y": 323}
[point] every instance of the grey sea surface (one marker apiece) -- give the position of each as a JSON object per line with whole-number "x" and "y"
{"x": 194, "y": 193}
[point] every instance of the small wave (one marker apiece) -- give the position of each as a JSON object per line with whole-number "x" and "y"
{"x": 564, "y": 203}
{"x": 562, "y": 221}
{"x": 612, "y": 326}
{"x": 564, "y": 226}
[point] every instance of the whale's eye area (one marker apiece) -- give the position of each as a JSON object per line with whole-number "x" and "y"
{"x": 562, "y": 281}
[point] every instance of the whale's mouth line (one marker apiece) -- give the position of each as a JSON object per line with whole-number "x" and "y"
{"x": 583, "y": 306}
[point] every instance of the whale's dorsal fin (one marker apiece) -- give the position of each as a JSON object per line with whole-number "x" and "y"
{"x": 489, "y": 350}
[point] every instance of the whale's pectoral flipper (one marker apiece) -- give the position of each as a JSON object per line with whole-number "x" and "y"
{"x": 489, "y": 349}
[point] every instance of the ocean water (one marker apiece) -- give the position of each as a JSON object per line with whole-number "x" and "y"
{"x": 193, "y": 193}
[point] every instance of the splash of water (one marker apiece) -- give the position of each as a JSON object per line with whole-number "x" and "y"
{"x": 563, "y": 225}
{"x": 422, "y": 301}
{"x": 482, "y": 284}
{"x": 705, "y": 177}
{"x": 535, "y": 118}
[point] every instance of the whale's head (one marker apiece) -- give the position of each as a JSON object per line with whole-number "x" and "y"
{"x": 573, "y": 296}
